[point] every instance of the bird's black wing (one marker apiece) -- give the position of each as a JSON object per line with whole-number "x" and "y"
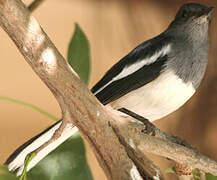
{"x": 114, "y": 85}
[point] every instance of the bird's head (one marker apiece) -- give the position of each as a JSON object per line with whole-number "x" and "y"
{"x": 192, "y": 17}
{"x": 194, "y": 12}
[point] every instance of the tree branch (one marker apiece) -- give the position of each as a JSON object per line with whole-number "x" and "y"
{"x": 118, "y": 142}
{"x": 131, "y": 132}
{"x": 34, "y": 5}
{"x": 75, "y": 100}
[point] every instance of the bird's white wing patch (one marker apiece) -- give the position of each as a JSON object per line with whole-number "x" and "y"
{"x": 136, "y": 66}
{"x": 158, "y": 98}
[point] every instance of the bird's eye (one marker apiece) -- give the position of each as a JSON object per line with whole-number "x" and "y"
{"x": 185, "y": 14}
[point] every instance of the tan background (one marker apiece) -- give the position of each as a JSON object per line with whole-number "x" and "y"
{"x": 113, "y": 28}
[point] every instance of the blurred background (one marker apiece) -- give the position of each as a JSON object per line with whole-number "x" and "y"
{"x": 113, "y": 27}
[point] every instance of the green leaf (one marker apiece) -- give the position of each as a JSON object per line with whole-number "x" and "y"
{"x": 210, "y": 177}
{"x": 27, "y": 161}
{"x": 79, "y": 54}
{"x": 196, "y": 174}
{"x": 6, "y": 175}
{"x": 3, "y": 169}
{"x": 169, "y": 170}
{"x": 67, "y": 162}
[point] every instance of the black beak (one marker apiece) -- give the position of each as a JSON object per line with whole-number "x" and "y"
{"x": 210, "y": 11}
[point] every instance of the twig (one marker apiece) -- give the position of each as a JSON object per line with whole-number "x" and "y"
{"x": 131, "y": 133}
{"x": 34, "y": 5}
{"x": 144, "y": 164}
{"x": 154, "y": 131}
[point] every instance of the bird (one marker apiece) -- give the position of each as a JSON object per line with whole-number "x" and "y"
{"x": 153, "y": 80}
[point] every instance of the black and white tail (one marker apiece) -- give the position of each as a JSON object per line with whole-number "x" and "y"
{"x": 16, "y": 161}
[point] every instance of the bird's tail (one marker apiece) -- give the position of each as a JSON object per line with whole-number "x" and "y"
{"x": 16, "y": 160}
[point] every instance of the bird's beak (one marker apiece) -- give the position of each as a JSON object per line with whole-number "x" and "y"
{"x": 210, "y": 11}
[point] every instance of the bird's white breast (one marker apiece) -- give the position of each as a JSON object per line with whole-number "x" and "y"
{"x": 157, "y": 98}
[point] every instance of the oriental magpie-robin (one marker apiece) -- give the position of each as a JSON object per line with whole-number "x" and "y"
{"x": 153, "y": 80}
